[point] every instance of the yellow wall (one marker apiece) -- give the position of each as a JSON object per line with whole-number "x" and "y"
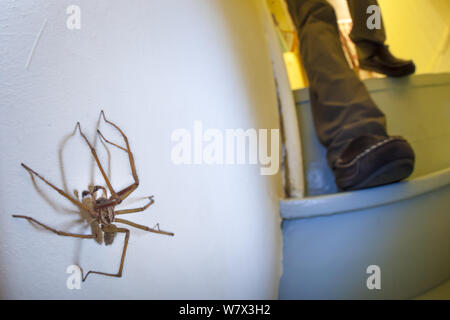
{"x": 419, "y": 29}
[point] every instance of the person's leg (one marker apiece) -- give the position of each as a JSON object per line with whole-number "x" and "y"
{"x": 372, "y": 52}
{"x": 360, "y": 31}
{"x": 342, "y": 108}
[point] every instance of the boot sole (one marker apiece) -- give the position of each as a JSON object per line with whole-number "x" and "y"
{"x": 390, "y": 173}
{"x": 396, "y": 73}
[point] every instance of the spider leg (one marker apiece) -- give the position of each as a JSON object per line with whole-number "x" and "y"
{"x": 94, "y": 153}
{"x": 139, "y": 226}
{"x": 137, "y": 209}
{"x": 122, "y": 259}
{"x": 60, "y": 233}
{"x": 96, "y": 188}
{"x": 61, "y": 192}
{"x": 92, "y": 191}
{"x": 123, "y": 194}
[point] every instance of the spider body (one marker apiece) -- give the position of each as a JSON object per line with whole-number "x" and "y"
{"x": 101, "y": 210}
{"x": 105, "y": 214}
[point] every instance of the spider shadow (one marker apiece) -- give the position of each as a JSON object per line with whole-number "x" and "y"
{"x": 85, "y": 220}
{"x": 84, "y": 215}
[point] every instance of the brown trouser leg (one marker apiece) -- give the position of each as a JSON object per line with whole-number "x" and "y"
{"x": 364, "y": 38}
{"x": 341, "y": 105}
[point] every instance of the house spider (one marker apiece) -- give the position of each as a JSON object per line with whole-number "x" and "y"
{"x": 102, "y": 209}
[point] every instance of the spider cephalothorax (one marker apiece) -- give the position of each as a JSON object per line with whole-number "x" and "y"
{"x": 101, "y": 207}
{"x": 101, "y": 210}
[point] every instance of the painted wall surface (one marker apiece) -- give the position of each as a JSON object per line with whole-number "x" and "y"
{"x": 419, "y": 30}
{"x": 153, "y": 66}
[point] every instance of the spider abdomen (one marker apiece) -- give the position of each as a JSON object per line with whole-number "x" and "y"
{"x": 105, "y": 214}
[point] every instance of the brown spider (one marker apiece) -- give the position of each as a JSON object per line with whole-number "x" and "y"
{"x": 101, "y": 209}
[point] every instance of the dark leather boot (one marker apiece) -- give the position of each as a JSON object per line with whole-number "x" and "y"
{"x": 378, "y": 58}
{"x": 370, "y": 161}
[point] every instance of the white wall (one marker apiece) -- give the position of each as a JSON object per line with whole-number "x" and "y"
{"x": 153, "y": 66}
